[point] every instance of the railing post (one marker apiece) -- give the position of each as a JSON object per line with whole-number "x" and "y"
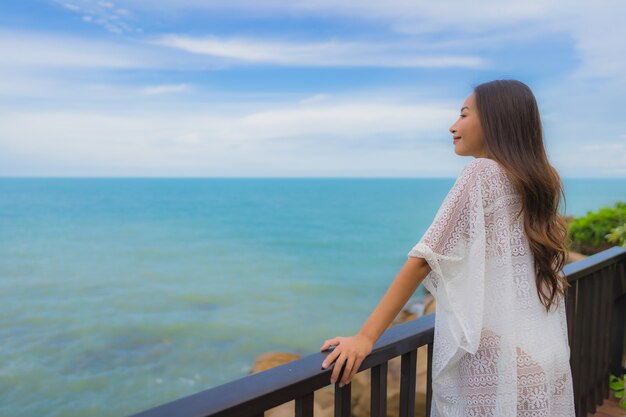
{"x": 378, "y": 402}
{"x": 604, "y": 337}
{"x": 429, "y": 379}
{"x": 342, "y": 399}
{"x": 304, "y": 405}
{"x": 408, "y": 365}
{"x": 617, "y": 328}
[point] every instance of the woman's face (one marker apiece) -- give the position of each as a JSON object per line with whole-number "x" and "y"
{"x": 467, "y": 132}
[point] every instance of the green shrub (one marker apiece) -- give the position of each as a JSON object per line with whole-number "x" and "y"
{"x": 589, "y": 233}
{"x": 617, "y": 385}
{"x": 617, "y": 235}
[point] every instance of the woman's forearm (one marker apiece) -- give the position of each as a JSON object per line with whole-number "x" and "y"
{"x": 403, "y": 286}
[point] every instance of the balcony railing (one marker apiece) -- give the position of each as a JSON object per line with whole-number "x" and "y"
{"x": 596, "y": 317}
{"x": 596, "y": 314}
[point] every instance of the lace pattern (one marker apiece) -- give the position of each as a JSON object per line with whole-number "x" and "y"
{"x": 496, "y": 351}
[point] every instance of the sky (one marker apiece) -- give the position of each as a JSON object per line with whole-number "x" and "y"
{"x": 297, "y": 88}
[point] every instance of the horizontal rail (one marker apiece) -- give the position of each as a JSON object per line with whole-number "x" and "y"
{"x": 593, "y": 263}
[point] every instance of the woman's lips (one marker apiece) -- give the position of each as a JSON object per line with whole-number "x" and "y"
{"x": 455, "y": 140}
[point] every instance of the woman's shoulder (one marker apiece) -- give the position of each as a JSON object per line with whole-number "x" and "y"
{"x": 492, "y": 176}
{"x": 483, "y": 164}
{"x": 482, "y": 168}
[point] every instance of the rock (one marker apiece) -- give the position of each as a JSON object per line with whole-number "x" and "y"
{"x": 269, "y": 360}
{"x": 402, "y": 317}
{"x": 430, "y": 304}
{"x": 574, "y": 256}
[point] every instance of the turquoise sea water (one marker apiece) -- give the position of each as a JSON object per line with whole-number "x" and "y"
{"x": 117, "y": 295}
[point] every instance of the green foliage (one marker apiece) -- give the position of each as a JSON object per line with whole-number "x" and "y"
{"x": 617, "y": 385}
{"x": 617, "y": 235}
{"x": 592, "y": 229}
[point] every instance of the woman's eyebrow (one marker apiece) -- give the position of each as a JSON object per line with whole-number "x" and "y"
{"x": 464, "y": 108}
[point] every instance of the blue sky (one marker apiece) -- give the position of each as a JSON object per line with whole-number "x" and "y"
{"x": 295, "y": 88}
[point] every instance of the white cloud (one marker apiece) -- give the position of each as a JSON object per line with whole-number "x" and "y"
{"x": 105, "y": 14}
{"x": 347, "y": 119}
{"x": 592, "y": 161}
{"x": 32, "y": 50}
{"x": 464, "y": 13}
{"x": 357, "y": 134}
{"x": 21, "y": 49}
{"x": 188, "y": 139}
{"x": 596, "y": 29}
{"x": 209, "y": 142}
{"x": 599, "y": 35}
{"x": 604, "y": 146}
{"x": 369, "y": 135}
{"x": 320, "y": 54}
{"x": 37, "y": 52}
{"x": 58, "y": 87}
{"x": 458, "y": 24}
{"x": 164, "y": 89}
{"x": 314, "y": 98}
{"x": 70, "y": 6}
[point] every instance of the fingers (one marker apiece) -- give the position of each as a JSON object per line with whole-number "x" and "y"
{"x": 352, "y": 362}
{"x": 337, "y": 368}
{"x": 345, "y": 354}
{"x": 347, "y": 371}
{"x": 331, "y": 357}
{"x": 355, "y": 368}
{"x": 330, "y": 342}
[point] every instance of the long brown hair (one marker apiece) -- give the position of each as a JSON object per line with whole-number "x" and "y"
{"x": 510, "y": 120}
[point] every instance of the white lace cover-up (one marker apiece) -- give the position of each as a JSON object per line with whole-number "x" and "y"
{"x": 496, "y": 352}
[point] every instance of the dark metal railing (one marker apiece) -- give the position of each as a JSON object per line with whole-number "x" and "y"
{"x": 299, "y": 379}
{"x": 596, "y": 314}
{"x": 596, "y": 307}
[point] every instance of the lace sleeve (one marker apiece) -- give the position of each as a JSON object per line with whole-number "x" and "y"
{"x": 454, "y": 247}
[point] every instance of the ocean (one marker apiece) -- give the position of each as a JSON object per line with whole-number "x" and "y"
{"x": 117, "y": 295}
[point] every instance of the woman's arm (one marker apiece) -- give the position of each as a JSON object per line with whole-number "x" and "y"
{"x": 353, "y": 350}
{"x": 401, "y": 289}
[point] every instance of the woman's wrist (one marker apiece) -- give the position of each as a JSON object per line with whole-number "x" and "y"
{"x": 369, "y": 337}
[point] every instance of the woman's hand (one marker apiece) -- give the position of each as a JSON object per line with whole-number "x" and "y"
{"x": 349, "y": 350}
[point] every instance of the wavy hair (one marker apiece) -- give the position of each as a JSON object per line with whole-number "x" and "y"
{"x": 513, "y": 136}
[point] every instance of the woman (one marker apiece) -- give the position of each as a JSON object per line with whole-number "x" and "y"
{"x": 492, "y": 258}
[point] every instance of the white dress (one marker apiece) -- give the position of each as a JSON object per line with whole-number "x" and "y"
{"x": 497, "y": 352}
